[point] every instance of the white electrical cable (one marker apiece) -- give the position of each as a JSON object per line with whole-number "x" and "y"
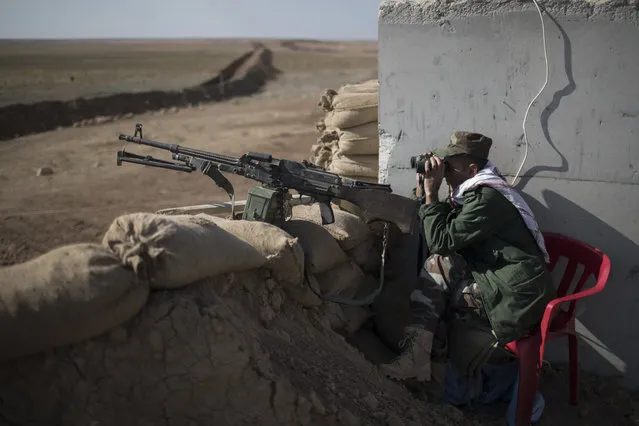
{"x": 543, "y": 36}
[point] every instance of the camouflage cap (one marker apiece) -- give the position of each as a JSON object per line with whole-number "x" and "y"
{"x": 470, "y": 143}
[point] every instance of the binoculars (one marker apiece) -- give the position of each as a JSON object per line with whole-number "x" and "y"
{"x": 418, "y": 163}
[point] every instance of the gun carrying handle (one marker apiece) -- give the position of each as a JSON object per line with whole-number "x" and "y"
{"x": 326, "y": 212}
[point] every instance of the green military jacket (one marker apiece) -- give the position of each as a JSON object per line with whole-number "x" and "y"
{"x": 503, "y": 256}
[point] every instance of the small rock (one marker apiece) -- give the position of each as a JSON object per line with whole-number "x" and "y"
{"x": 173, "y": 109}
{"x": 97, "y": 164}
{"x": 128, "y": 115}
{"x": 318, "y": 407}
{"x": 44, "y": 171}
{"x": 394, "y": 420}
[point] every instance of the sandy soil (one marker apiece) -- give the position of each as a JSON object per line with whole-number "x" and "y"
{"x": 87, "y": 190}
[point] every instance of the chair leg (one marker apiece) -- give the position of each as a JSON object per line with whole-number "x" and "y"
{"x": 574, "y": 368}
{"x": 529, "y": 368}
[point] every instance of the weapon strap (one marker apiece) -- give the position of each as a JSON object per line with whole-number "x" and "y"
{"x": 365, "y": 300}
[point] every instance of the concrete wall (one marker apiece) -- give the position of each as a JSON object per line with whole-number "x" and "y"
{"x": 468, "y": 67}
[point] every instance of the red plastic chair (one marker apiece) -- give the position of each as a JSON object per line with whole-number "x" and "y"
{"x": 558, "y": 322}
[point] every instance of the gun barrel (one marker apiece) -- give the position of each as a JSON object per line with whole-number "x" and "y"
{"x": 177, "y": 149}
{"x": 142, "y": 141}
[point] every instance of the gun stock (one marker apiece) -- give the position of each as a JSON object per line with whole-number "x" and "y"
{"x": 381, "y": 205}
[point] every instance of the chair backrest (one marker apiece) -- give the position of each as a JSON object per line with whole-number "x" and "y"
{"x": 594, "y": 261}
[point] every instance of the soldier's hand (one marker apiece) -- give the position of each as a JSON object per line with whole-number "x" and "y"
{"x": 434, "y": 174}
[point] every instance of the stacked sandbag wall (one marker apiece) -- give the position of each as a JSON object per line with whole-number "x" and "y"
{"x": 80, "y": 291}
{"x": 348, "y": 141}
{"x": 122, "y": 315}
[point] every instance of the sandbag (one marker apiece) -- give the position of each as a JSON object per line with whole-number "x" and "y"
{"x": 369, "y": 146}
{"x": 347, "y": 317}
{"x": 360, "y": 140}
{"x": 329, "y": 135}
{"x": 346, "y": 101}
{"x": 340, "y": 279}
{"x": 355, "y": 165}
{"x": 283, "y": 252}
{"x": 321, "y": 251}
{"x": 355, "y": 317}
{"x": 365, "y": 131}
{"x": 346, "y": 119}
{"x": 173, "y": 251}
{"x": 368, "y": 86}
{"x": 361, "y": 253}
{"x": 69, "y": 294}
{"x": 304, "y": 295}
{"x": 348, "y": 230}
{"x": 354, "y": 101}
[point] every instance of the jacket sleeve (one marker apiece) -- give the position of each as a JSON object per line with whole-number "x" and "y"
{"x": 483, "y": 213}
{"x": 415, "y": 197}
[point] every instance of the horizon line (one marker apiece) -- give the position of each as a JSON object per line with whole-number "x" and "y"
{"x": 237, "y": 38}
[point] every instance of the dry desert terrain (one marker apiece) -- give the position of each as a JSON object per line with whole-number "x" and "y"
{"x": 85, "y": 190}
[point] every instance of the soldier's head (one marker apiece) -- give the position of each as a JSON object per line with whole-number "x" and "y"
{"x": 465, "y": 156}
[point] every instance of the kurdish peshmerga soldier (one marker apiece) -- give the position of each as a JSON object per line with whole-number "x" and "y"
{"x": 487, "y": 266}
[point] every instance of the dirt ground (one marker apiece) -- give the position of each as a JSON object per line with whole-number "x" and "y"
{"x": 86, "y": 191}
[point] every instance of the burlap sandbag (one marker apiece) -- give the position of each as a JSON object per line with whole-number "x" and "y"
{"x": 355, "y": 165}
{"x": 340, "y": 279}
{"x": 360, "y": 140}
{"x": 368, "y": 86}
{"x": 71, "y": 293}
{"x": 361, "y": 253}
{"x": 346, "y": 119}
{"x": 349, "y": 230}
{"x": 347, "y": 101}
{"x": 365, "y": 131}
{"x": 329, "y": 135}
{"x": 283, "y": 252}
{"x": 173, "y": 251}
{"x": 321, "y": 251}
{"x": 369, "y": 146}
{"x": 345, "y": 318}
{"x": 355, "y": 101}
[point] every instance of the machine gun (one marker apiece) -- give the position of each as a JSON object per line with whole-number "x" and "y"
{"x": 277, "y": 176}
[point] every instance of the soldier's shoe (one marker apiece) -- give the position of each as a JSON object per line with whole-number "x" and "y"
{"x": 414, "y": 360}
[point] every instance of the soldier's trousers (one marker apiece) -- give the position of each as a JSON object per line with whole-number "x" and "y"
{"x": 448, "y": 303}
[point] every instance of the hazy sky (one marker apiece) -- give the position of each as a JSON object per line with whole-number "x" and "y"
{"x": 325, "y": 19}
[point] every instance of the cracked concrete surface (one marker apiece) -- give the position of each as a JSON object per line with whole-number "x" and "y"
{"x": 424, "y": 11}
{"x": 226, "y": 351}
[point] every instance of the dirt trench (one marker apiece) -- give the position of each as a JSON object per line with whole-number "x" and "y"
{"x": 245, "y": 76}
